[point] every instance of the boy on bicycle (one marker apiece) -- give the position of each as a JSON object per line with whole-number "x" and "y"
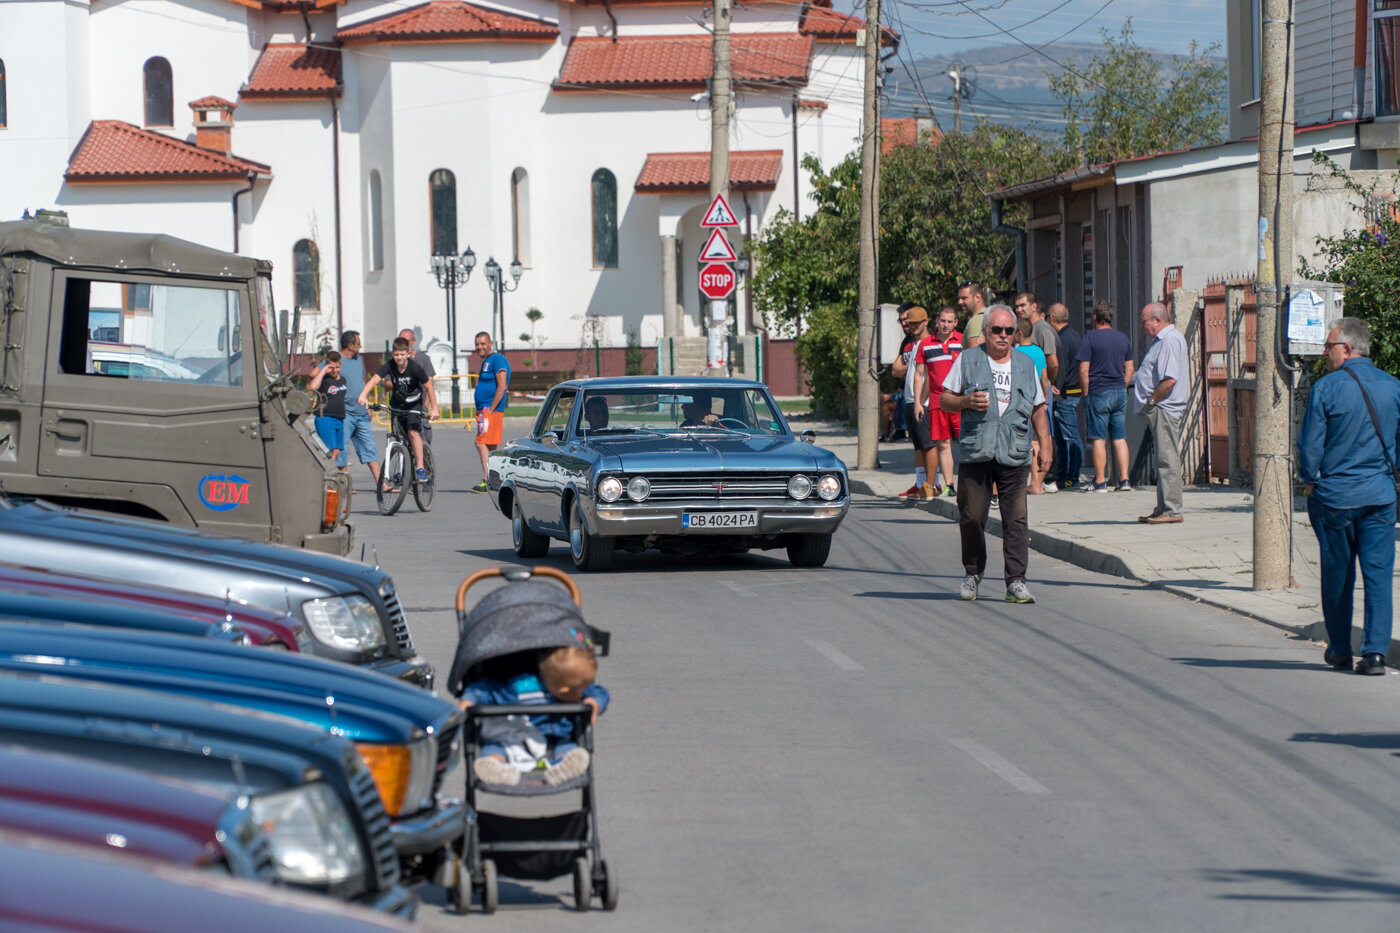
{"x": 409, "y": 386}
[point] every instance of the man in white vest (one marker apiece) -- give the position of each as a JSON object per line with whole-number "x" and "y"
{"x": 1001, "y": 401}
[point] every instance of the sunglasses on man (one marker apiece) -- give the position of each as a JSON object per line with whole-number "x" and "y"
{"x": 1001, "y": 331}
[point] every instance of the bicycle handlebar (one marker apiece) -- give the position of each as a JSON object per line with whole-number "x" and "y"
{"x": 374, "y": 406}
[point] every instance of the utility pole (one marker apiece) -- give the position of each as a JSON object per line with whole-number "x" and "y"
{"x": 1273, "y": 474}
{"x": 956, "y": 75}
{"x": 717, "y": 348}
{"x": 867, "y": 386}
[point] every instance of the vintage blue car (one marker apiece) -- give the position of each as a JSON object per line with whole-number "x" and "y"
{"x": 682, "y": 465}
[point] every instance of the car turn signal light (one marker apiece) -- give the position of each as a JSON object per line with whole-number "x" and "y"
{"x": 391, "y": 766}
{"x": 332, "y": 509}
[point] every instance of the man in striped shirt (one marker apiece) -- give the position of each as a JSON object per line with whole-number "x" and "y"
{"x": 933, "y": 358}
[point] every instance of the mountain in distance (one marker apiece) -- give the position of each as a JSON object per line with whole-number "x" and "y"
{"x": 1010, "y": 85}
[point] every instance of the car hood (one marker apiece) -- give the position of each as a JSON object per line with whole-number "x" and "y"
{"x": 356, "y": 704}
{"x": 714, "y": 451}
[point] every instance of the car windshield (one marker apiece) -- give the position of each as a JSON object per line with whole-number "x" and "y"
{"x": 683, "y": 410}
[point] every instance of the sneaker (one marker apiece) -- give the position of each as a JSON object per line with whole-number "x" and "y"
{"x": 1069, "y": 484}
{"x": 996, "y": 502}
{"x": 495, "y": 771}
{"x": 479, "y": 487}
{"x": 1051, "y": 488}
{"x": 1096, "y": 487}
{"x": 968, "y": 590}
{"x": 912, "y": 491}
{"x": 950, "y": 492}
{"x": 574, "y": 763}
{"x": 422, "y": 476}
{"x": 1016, "y": 592}
{"x": 927, "y": 491}
{"x": 1124, "y": 486}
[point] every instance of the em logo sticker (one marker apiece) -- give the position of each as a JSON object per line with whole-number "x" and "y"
{"x": 219, "y": 493}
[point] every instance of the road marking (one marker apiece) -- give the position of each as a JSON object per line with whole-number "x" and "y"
{"x": 835, "y": 657}
{"x": 1001, "y": 767}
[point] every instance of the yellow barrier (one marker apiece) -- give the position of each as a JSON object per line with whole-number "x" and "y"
{"x": 442, "y": 386}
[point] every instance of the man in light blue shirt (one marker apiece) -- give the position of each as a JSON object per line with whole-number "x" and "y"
{"x": 1160, "y": 390}
{"x": 1346, "y": 462}
{"x": 358, "y": 430}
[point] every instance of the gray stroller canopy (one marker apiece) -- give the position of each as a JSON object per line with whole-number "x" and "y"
{"x": 525, "y": 615}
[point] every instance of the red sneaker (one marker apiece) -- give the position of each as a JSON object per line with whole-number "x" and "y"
{"x": 911, "y": 491}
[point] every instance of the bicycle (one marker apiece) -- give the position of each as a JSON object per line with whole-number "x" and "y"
{"x": 398, "y": 470}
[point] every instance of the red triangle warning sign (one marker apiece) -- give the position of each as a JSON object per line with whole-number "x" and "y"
{"x": 717, "y": 249}
{"x": 719, "y": 214}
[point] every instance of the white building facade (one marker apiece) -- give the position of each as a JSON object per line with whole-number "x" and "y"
{"x": 346, "y": 142}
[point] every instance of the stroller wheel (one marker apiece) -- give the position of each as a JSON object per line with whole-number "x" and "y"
{"x": 608, "y": 887}
{"x": 490, "y": 894}
{"x": 583, "y": 884}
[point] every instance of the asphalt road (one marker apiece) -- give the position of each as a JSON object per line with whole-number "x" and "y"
{"x": 853, "y": 748}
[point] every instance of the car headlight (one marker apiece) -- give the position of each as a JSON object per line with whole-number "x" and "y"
{"x": 799, "y": 487}
{"x": 610, "y": 489}
{"x": 403, "y": 773}
{"x": 311, "y": 836}
{"x": 828, "y": 487}
{"x": 348, "y": 623}
{"x": 638, "y": 488}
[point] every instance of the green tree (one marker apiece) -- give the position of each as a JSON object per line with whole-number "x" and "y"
{"x": 1123, "y": 103}
{"x": 534, "y": 342}
{"x": 935, "y": 230}
{"x": 1367, "y": 261}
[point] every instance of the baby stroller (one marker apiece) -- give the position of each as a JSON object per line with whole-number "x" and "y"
{"x": 525, "y": 615}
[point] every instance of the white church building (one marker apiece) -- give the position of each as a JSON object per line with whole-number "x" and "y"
{"x": 348, "y": 142}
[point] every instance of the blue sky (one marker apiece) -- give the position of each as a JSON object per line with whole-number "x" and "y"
{"x": 940, "y": 28}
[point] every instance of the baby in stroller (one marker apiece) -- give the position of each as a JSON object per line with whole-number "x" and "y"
{"x": 516, "y": 745}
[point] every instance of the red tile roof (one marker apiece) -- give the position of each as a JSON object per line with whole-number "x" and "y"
{"x": 287, "y": 6}
{"x": 809, "y": 104}
{"x": 682, "y": 62}
{"x": 212, "y": 103}
{"x": 449, "y": 20}
{"x": 829, "y": 26}
{"x": 666, "y": 172}
{"x": 114, "y": 151}
{"x": 290, "y": 70}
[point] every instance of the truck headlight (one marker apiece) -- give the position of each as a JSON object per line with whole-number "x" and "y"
{"x": 312, "y": 838}
{"x": 610, "y": 489}
{"x": 348, "y": 623}
{"x": 403, "y": 773}
{"x": 828, "y": 487}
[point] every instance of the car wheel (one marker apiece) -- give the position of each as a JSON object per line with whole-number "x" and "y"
{"x": 808, "y": 550}
{"x": 588, "y": 552}
{"x": 527, "y": 543}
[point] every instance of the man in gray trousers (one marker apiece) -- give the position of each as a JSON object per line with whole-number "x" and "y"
{"x": 1160, "y": 389}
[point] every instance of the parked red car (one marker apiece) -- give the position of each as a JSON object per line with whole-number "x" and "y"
{"x": 263, "y": 627}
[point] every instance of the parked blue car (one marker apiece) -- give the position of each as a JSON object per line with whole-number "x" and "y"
{"x": 408, "y": 738}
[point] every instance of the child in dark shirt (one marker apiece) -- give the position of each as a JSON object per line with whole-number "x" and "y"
{"x": 410, "y": 390}
{"x": 517, "y": 744}
{"x": 330, "y": 420}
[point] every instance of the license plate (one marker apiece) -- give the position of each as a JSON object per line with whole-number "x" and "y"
{"x": 719, "y": 519}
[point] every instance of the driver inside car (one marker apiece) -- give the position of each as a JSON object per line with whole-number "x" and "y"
{"x": 698, "y": 413}
{"x": 595, "y": 412}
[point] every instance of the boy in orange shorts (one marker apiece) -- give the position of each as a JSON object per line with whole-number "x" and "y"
{"x": 490, "y": 400}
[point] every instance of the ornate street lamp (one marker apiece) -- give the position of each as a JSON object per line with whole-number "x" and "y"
{"x": 450, "y": 271}
{"x": 498, "y": 293}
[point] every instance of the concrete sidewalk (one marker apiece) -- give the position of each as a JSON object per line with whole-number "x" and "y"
{"x": 1207, "y": 558}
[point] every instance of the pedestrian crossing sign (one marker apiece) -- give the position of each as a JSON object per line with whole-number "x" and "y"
{"x": 717, "y": 248}
{"x": 719, "y": 214}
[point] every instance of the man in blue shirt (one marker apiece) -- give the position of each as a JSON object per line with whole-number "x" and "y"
{"x": 1345, "y": 460}
{"x": 490, "y": 399}
{"x": 1105, "y": 371}
{"x": 358, "y": 430}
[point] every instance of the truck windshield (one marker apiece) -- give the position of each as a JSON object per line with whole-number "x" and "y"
{"x": 274, "y": 361}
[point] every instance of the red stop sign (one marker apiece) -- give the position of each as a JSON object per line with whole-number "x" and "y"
{"x": 717, "y": 281}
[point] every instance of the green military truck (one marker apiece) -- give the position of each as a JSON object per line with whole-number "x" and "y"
{"x": 148, "y": 376}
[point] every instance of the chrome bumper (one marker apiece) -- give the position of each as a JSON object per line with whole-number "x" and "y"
{"x": 619, "y": 519}
{"x": 415, "y": 835}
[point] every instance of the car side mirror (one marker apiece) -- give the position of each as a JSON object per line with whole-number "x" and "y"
{"x": 552, "y": 438}
{"x": 808, "y": 436}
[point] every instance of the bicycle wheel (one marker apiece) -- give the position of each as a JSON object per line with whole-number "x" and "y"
{"x": 423, "y": 492}
{"x": 393, "y": 474}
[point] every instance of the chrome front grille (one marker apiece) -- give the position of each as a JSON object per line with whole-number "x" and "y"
{"x": 383, "y": 852}
{"x": 260, "y": 858}
{"x": 720, "y": 486}
{"x": 402, "y": 636}
{"x": 448, "y": 744}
